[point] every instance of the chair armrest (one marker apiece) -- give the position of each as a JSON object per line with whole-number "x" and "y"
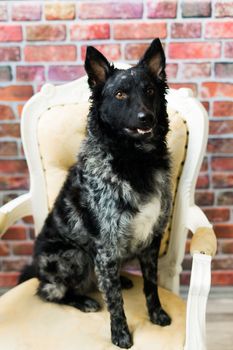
{"x": 204, "y": 241}
{"x": 14, "y": 210}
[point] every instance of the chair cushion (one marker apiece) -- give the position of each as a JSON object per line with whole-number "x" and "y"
{"x": 28, "y": 323}
{"x": 61, "y": 130}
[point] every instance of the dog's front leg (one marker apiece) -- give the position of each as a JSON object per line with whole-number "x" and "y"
{"x": 107, "y": 271}
{"x": 148, "y": 261}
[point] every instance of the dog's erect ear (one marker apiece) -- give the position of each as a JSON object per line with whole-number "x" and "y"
{"x": 96, "y": 66}
{"x": 154, "y": 59}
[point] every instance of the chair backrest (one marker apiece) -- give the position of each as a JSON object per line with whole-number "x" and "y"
{"x": 53, "y": 126}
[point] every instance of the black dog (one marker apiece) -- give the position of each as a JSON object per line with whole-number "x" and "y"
{"x": 115, "y": 202}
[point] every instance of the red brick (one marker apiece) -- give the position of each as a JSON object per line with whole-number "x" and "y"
{"x": 185, "y": 278}
{"x": 6, "y": 112}
{"x": 28, "y": 219}
{"x": 46, "y": 32}
{"x": 171, "y": 70}
{"x": 3, "y": 12}
{"x": 8, "y": 148}
{"x": 90, "y": 31}
{"x": 4, "y": 249}
{"x": 13, "y": 265}
{"x": 140, "y": 30}
{"x": 10, "y": 33}
{"x": 204, "y": 166}
{"x": 59, "y": 11}
{"x": 30, "y": 73}
{"x": 113, "y": 9}
{"x": 225, "y": 198}
{"x": 204, "y": 198}
{"x": 16, "y": 93}
{"x": 191, "y": 50}
{"x": 219, "y": 30}
{"x": 222, "y": 263}
{"x": 196, "y": 70}
{"x": 5, "y": 73}
{"x": 135, "y": 51}
{"x": 111, "y": 51}
{"x": 13, "y": 166}
{"x": 9, "y": 53}
{"x": 224, "y": 9}
{"x": 187, "y": 263}
{"x": 222, "y": 180}
{"x": 202, "y": 181}
{"x": 220, "y": 127}
{"x": 14, "y": 183}
{"x": 222, "y": 163}
{"x": 228, "y": 49}
{"x": 196, "y": 8}
{"x": 20, "y": 109}
{"x": 224, "y": 70}
{"x": 50, "y": 53}
{"x": 8, "y": 279}
{"x": 216, "y": 89}
{"x": 161, "y": 8}
{"x": 206, "y": 105}
{"x": 21, "y": 151}
{"x": 220, "y": 145}
{"x": 223, "y": 230}
{"x": 217, "y": 214}
{"x": 24, "y": 248}
{"x": 186, "y": 30}
{"x": 187, "y": 246}
{"x": 65, "y": 73}
{"x": 9, "y": 130}
{"x": 30, "y": 11}
{"x": 227, "y": 246}
{"x": 15, "y": 233}
{"x": 223, "y": 109}
{"x": 184, "y": 85}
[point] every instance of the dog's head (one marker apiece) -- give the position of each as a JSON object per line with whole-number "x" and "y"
{"x": 130, "y": 103}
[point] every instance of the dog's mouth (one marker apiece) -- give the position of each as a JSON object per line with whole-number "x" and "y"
{"x": 139, "y": 131}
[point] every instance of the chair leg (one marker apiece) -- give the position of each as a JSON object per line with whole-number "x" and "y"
{"x": 169, "y": 278}
{"x": 196, "y": 303}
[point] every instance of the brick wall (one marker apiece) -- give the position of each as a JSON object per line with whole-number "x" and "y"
{"x": 45, "y": 41}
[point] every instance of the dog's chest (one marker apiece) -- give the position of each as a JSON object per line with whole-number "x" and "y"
{"x": 144, "y": 221}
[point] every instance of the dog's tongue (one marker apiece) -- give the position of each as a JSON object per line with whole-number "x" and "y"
{"x": 144, "y": 131}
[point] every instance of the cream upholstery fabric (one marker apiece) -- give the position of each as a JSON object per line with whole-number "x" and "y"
{"x": 204, "y": 241}
{"x": 27, "y": 323}
{"x": 61, "y": 130}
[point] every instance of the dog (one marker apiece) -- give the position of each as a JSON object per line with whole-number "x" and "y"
{"x": 116, "y": 200}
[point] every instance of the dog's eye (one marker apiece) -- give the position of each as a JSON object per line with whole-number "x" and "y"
{"x": 150, "y": 91}
{"x": 120, "y": 95}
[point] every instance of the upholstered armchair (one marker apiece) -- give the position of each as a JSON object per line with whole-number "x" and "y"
{"x": 52, "y": 128}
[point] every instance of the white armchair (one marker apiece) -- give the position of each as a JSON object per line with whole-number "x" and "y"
{"x": 52, "y": 127}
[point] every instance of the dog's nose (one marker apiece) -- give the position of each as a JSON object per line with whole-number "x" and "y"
{"x": 145, "y": 118}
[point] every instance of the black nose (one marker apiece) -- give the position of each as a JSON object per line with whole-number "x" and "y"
{"x": 145, "y": 118}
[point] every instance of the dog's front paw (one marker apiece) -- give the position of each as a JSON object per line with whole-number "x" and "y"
{"x": 122, "y": 337}
{"x": 160, "y": 317}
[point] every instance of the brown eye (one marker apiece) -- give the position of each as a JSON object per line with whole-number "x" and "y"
{"x": 150, "y": 91}
{"x": 120, "y": 95}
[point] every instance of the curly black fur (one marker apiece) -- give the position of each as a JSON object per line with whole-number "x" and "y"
{"x": 115, "y": 202}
